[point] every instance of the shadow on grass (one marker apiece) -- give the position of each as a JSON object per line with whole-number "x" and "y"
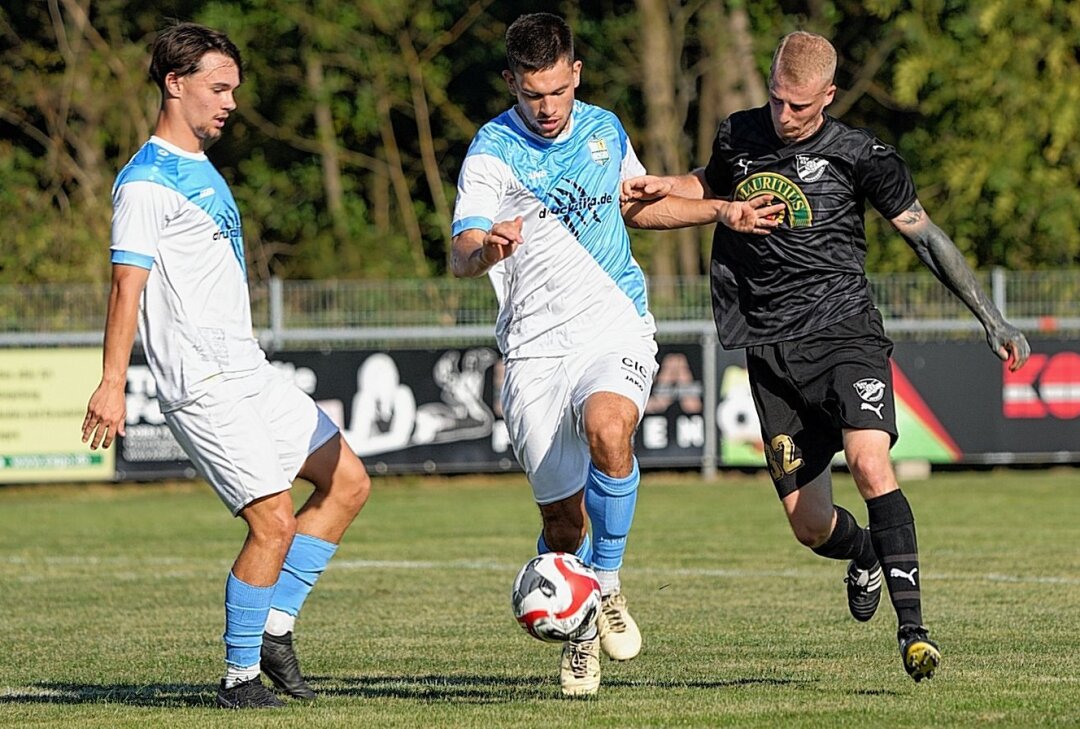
{"x": 502, "y": 689}
{"x": 876, "y": 692}
{"x": 427, "y": 688}
{"x": 159, "y": 694}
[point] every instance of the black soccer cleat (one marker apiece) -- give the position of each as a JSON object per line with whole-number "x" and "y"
{"x": 920, "y": 654}
{"x": 278, "y": 662}
{"x": 863, "y": 591}
{"x": 247, "y": 695}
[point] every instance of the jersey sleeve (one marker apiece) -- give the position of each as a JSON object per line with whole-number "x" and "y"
{"x": 718, "y": 170}
{"x": 140, "y": 213}
{"x": 631, "y": 165}
{"x": 480, "y": 190}
{"x": 883, "y": 177}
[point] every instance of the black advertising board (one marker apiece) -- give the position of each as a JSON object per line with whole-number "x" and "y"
{"x": 672, "y": 431}
{"x": 956, "y": 403}
{"x": 148, "y": 450}
{"x": 438, "y": 411}
{"x": 992, "y": 415}
{"x": 424, "y": 410}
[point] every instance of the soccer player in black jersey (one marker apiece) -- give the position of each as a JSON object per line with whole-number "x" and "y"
{"x": 799, "y": 302}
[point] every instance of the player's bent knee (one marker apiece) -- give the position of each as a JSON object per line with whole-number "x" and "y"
{"x": 349, "y": 492}
{"x": 346, "y": 483}
{"x": 871, "y": 471}
{"x": 811, "y": 535}
{"x": 272, "y": 527}
{"x": 358, "y": 490}
{"x": 611, "y": 449}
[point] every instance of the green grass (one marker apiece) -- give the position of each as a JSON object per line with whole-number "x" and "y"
{"x": 110, "y": 611}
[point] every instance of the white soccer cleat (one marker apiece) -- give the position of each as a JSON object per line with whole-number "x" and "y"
{"x": 619, "y": 634}
{"x": 579, "y": 672}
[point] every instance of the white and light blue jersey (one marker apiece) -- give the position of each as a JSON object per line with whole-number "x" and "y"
{"x": 573, "y": 282}
{"x": 173, "y": 214}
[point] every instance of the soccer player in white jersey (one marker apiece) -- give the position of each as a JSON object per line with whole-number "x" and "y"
{"x": 538, "y": 209}
{"x": 179, "y": 275}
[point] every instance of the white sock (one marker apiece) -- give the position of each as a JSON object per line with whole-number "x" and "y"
{"x": 279, "y": 623}
{"x": 235, "y": 674}
{"x": 609, "y": 581}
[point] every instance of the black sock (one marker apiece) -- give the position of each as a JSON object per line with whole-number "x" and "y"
{"x": 892, "y": 530}
{"x": 848, "y": 541}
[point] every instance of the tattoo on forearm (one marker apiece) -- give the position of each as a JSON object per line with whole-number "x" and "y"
{"x": 913, "y": 214}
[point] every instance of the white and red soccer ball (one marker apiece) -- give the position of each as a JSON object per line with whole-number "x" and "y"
{"x": 556, "y": 597}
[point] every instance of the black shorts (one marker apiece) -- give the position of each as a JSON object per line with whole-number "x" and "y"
{"x": 808, "y": 390}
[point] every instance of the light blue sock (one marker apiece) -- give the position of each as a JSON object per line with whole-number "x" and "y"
{"x": 305, "y": 561}
{"x": 584, "y": 552}
{"x": 610, "y": 504}
{"x": 246, "y": 608}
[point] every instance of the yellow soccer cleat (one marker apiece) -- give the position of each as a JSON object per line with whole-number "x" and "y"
{"x": 920, "y": 654}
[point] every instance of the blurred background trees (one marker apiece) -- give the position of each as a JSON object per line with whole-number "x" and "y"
{"x": 355, "y": 115}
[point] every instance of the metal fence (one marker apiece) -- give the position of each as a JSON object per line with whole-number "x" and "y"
{"x": 288, "y": 313}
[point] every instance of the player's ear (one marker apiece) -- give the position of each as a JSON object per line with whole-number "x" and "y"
{"x": 173, "y": 84}
{"x": 577, "y": 73}
{"x": 511, "y": 84}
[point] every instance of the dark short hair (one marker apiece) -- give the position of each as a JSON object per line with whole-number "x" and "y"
{"x": 538, "y": 41}
{"x": 179, "y": 49}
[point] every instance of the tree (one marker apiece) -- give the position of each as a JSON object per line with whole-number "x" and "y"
{"x": 354, "y": 93}
{"x": 997, "y": 88}
{"x": 355, "y": 116}
{"x": 75, "y": 103}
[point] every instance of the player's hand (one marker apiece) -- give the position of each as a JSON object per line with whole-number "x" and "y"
{"x": 758, "y": 215}
{"x": 501, "y": 241}
{"x": 105, "y": 416}
{"x": 1009, "y": 344}
{"x": 644, "y": 188}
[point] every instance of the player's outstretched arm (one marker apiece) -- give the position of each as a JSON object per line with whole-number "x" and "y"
{"x": 107, "y": 409}
{"x": 940, "y": 254}
{"x": 666, "y": 203}
{"x": 474, "y": 251}
{"x": 652, "y": 187}
{"x": 758, "y": 216}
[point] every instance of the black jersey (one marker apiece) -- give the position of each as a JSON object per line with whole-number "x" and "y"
{"x": 809, "y": 272}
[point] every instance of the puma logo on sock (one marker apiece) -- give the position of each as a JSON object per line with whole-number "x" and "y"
{"x": 909, "y": 576}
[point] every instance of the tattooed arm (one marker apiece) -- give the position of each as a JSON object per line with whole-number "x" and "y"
{"x": 939, "y": 253}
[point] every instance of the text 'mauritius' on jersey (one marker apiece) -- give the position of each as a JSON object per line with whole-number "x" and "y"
{"x": 809, "y": 272}
{"x": 573, "y": 282}
{"x": 173, "y": 214}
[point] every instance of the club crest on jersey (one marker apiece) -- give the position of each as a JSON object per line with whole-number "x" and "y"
{"x": 598, "y": 149}
{"x": 797, "y": 212}
{"x": 870, "y": 389}
{"x": 810, "y": 169}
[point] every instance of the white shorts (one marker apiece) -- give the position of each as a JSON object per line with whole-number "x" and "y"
{"x": 249, "y": 436}
{"x": 543, "y": 399}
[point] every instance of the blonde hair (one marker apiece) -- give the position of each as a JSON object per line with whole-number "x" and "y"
{"x": 804, "y": 58}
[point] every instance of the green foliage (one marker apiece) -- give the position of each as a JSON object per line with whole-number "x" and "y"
{"x": 354, "y": 119}
{"x": 997, "y": 86}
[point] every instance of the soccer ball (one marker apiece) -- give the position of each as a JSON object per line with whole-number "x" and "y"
{"x": 556, "y": 597}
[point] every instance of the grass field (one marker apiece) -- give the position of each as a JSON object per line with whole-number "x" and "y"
{"x": 110, "y": 611}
